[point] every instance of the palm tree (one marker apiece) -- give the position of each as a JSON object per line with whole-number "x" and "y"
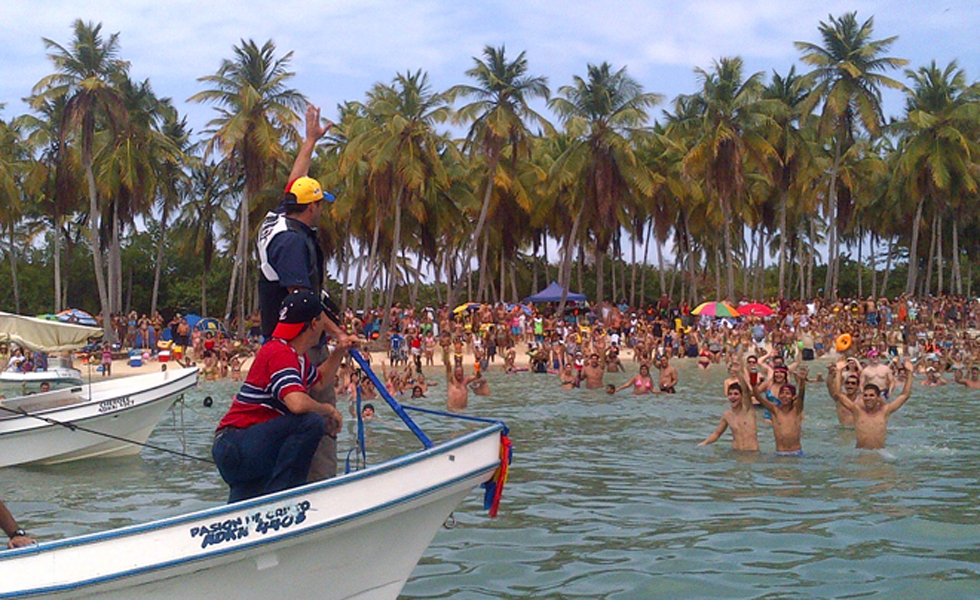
{"x": 603, "y": 113}
{"x": 939, "y": 151}
{"x": 14, "y": 157}
{"x": 847, "y": 77}
{"x": 173, "y": 178}
{"x": 731, "y": 140}
{"x": 133, "y": 166}
{"x": 51, "y": 180}
{"x": 401, "y": 151}
{"x": 86, "y": 72}
{"x": 203, "y": 210}
{"x": 785, "y": 96}
{"x": 256, "y": 111}
{"x": 499, "y": 115}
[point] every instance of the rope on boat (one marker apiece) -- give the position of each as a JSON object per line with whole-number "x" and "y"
{"x": 76, "y": 427}
{"x": 395, "y": 406}
{"x": 443, "y": 413}
{"x": 359, "y": 451}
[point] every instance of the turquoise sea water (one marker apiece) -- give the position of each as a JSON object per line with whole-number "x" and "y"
{"x": 610, "y": 497}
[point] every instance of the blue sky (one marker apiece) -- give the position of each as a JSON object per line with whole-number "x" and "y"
{"x": 342, "y": 47}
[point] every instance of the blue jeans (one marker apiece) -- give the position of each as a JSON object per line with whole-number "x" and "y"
{"x": 267, "y": 457}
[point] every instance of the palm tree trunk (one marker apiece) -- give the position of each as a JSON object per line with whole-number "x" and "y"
{"x": 782, "y": 242}
{"x": 12, "y": 253}
{"x": 860, "y": 270}
{"x": 660, "y": 264}
{"x": 729, "y": 263}
{"x": 914, "y": 249}
{"x": 888, "y": 267}
{"x": 633, "y": 270}
{"x": 957, "y": 273}
{"x": 830, "y": 290}
{"x": 238, "y": 267}
{"x": 513, "y": 284}
{"x": 646, "y": 267}
{"x": 204, "y": 293}
{"x": 940, "y": 263}
{"x": 393, "y": 263}
{"x": 481, "y": 289}
{"x": 759, "y": 288}
{"x": 57, "y": 260}
{"x": 599, "y": 274}
{"x": 873, "y": 263}
{"x": 158, "y": 268}
{"x": 565, "y": 274}
{"x": 503, "y": 277}
{"x": 115, "y": 252}
{"x": 932, "y": 255}
{"x": 747, "y": 254}
{"x": 93, "y": 233}
{"x": 372, "y": 258}
{"x": 414, "y": 295}
{"x": 484, "y": 209}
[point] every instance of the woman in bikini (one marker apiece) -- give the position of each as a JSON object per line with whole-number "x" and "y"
{"x": 641, "y": 383}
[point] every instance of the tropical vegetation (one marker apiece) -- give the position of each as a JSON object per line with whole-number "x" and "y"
{"x": 786, "y": 184}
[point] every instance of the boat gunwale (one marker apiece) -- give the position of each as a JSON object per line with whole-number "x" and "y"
{"x": 207, "y": 513}
{"x": 51, "y": 412}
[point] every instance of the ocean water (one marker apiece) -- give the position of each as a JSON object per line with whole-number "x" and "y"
{"x": 610, "y": 497}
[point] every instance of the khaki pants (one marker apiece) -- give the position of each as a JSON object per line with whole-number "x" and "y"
{"x": 324, "y": 465}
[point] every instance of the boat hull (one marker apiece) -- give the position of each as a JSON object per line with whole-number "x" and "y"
{"x": 57, "y": 375}
{"x": 126, "y": 408}
{"x": 356, "y": 536}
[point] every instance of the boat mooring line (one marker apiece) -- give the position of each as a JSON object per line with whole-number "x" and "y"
{"x": 395, "y": 406}
{"x": 76, "y": 427}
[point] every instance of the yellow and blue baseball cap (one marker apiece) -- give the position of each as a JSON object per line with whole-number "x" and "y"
{"x": 305, "y": 190}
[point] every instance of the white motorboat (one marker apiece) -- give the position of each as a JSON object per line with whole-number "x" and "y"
{"x": 43, "y": 335}
{"x": 359, "y": 536}
{"x": 108, "y": 418}
{"x": 59, "y": 371}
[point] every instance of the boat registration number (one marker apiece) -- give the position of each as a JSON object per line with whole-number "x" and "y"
{"x": 115, "y": 404}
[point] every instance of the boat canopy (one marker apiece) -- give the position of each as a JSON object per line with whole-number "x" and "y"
{"x": 43, "y": 335}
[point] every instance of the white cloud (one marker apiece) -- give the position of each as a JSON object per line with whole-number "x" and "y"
{"x": 342, "y": 47}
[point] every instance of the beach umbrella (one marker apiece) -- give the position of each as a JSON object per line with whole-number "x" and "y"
{"x": 466, "y": 306}
{"x": 716, "y": 309}
{"x": 755, "y": 310}
{"x": 527, "y": 309}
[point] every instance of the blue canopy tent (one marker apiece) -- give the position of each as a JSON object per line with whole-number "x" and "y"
{"x": 552, "y": 293}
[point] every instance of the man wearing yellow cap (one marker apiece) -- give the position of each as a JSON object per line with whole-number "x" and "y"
{"x": 290, "y": 259}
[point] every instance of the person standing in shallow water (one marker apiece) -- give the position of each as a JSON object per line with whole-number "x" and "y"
{"x": 739, "y": 417}
{"x": 641, "y": 383}
{"x": 787, "y": 416}
{"x": 871, "y": 414}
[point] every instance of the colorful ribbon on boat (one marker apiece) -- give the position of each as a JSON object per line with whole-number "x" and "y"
{"x": 494, "y": 487}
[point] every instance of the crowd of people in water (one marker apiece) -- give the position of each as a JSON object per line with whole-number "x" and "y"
{"x": 871, "y": 350}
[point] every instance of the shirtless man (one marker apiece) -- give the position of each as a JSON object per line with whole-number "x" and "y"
{"x": 871, "y": 414}
{"x": 479, "y": 385}
{"x": 568, "y": 378}
{"x": 457, "y": 392}
{"x": 933, "y": 379}
{"x": 845, "y": 385}
{"x": 668, "y": 375}
{"x": 592, "y": 372}
{"x": 972, "y": 382}
{"x": 740, "y": 417}
{"x": 787, "y": 416}
{"x": 878, "y": 373}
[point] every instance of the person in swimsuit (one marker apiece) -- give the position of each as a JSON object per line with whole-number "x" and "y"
{"x": 668, "y": 376}
{"x": 641, "y": 383}
{"x": 787, "y": 416}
